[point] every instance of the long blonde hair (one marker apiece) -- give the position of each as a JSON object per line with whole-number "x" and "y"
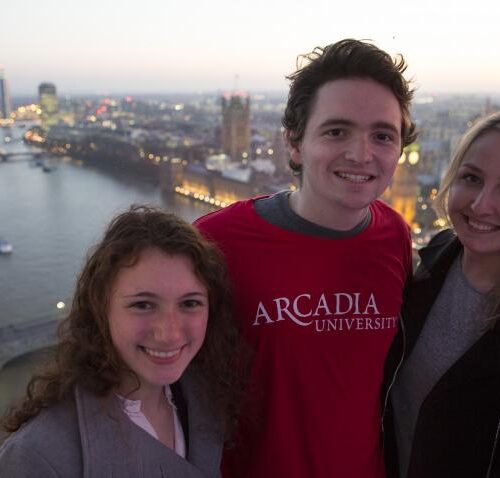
{"x": 480, "y": 128}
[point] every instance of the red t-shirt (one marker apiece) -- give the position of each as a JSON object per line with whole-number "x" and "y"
{"x": 320, "y": 314}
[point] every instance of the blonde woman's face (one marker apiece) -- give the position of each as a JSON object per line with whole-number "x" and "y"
{"x": 474, "y": 198}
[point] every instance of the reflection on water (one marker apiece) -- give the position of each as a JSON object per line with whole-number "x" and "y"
{"x": 51, "y": 219}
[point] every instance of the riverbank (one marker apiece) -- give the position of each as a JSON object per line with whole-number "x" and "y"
{"x": 14, "y": 377}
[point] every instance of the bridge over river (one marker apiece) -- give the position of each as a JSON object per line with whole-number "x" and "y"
{"x": 22, "y": 155}
{"x": 20, "y": 339}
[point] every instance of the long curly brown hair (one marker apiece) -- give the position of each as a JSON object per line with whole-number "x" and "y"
{"x": 85, "y": 354}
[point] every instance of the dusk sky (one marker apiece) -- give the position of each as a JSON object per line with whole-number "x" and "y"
{"x": 162, "y": 46}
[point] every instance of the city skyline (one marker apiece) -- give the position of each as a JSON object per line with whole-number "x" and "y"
{"x": 166, "y": 47}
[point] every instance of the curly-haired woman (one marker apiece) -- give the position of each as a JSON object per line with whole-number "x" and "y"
{"x": 144, "y": 380}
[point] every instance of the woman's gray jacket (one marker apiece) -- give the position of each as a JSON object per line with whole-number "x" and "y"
{"x": 84, "y": 438}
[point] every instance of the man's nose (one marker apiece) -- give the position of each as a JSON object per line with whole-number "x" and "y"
{"x": 360, "y": 150}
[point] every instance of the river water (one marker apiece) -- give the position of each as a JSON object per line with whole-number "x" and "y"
{"x": 51, "y": 219}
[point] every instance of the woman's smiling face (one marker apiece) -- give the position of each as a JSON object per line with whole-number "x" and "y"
{"x": 474, "y": 198}
{"x": 158, "y": 313}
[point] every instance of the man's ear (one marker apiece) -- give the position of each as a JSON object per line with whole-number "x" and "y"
{"x": 293, "y": 147}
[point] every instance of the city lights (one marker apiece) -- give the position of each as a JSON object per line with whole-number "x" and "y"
{"x": 202, "y": 197}
{"x": 201, "y": 147}
{"x": 413, "y": 157}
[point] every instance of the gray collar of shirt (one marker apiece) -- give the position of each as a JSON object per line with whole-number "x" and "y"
{"x": 277, "y": 211}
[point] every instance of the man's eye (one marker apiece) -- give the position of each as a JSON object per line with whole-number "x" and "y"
{"x": 384, "y": 137}
{"x": 335, "y": 132}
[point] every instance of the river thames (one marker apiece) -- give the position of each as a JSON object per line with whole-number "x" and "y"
{"x": 51, "y": 219}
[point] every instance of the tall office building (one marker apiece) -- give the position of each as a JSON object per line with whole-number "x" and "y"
{"x": 4, "y": 97}
{"x": 236, "y": 125}
{"x": 48, "y": 104}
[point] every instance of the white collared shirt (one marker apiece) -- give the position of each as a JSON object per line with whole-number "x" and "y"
{"x": 132, "y": 409}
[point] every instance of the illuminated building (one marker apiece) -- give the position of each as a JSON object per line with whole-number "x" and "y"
{"x": 217, "y": 187}
{"x": 48, "y": 104}
{"x": 236, "y": 125}
{"x": 404, "y": 186}
{"x": 4, "y": 97}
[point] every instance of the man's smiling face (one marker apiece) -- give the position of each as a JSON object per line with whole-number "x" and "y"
{"x": 349, "y": 151}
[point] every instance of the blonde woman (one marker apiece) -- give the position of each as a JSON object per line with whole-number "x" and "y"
{"x": 446, "y": 397}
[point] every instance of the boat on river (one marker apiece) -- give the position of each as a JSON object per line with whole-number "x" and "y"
{"x": 5, "y": 247}
{"x": 48, "y": 165}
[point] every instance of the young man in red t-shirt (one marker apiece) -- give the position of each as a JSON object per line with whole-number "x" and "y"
{"x": 318, "y": 273}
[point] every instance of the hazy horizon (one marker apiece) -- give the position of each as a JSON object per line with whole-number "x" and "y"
{"x": 166, "y": 47}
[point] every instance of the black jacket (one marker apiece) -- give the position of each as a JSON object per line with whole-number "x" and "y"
{"x": 458, "y": 426}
